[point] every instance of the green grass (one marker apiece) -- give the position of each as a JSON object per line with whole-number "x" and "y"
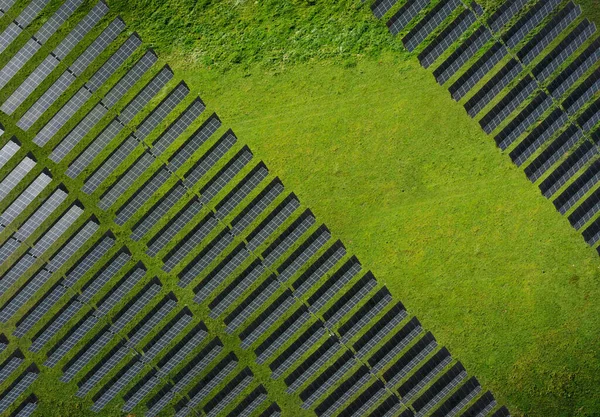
{"x": 365, "y": 137}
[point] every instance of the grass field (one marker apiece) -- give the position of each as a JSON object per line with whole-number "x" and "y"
{"x": 366, "y": 138}
{"x": 395, "y": 167}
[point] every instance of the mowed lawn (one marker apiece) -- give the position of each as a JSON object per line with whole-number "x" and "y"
{"x": 396, "y": 169}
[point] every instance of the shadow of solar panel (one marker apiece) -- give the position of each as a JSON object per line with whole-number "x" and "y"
{"x": 586, "y": 210}
{"x": 27, "y": 407}
{"x": 483, "y": 406}
{"x": 3, "y": 342}
{"x": 199, "y": 392}
{"x": 110, "y": 164}
{"x": 117, "y": 383}
{"x": 538, "y": 12}
{"x": 272, "y": 222}
{"x": 136, "y": 304}
{"x": 556, "y": 150}
{"x": 102, "y": 368}
{"x": 197, "y": 266}
{"x": 493, "y": 87}
{"x": 224, "y": 299}
{"x": 74, "y": 334}
{"x": 282, "y": 334}
{"x": 429, "y": 23}
{"x": 322, "y": 355}
{"x": 592, "y": 233}
{"x": 365, "y": 314}
{"x": 436, "y": 48}
{"x": 96, "y": 81}
{"x": 175, "y": 355}
{"x": 502, "y": 412}
{"x": 226, "y": 396}
{"x": 42, "y": 71}
{"x": 462, "y": 54}
{"x": 84, "y": 355}
{"x": 251, "y": 303}
{"x": 405, "y": 15}
{"x": 18, "y": 387}
{"x": 365, "y": 401}
{"x": 575, "y": 70}
{"x": 426, "y": 372}
{"x": 220, "y": 273}
{"x": 9, "y": 150}
{"x": 549, "y": 33}
{"x": 319, "y": 268}
{"x": 410, "y": 359}
{"x": 395, "y": 344}
{"x": 508, "y": 104}
{"x": 538, "y": 136}
{"x": 91, "y": 53}
{"x": 350, "y": 299}
{"x": 274, "y": 312}
{"x": 209, "y": 159}
{"x": 327, "y": 379}
{"x": 590, "y": 117}
{"x": 569, "y": 167}
{"x": 166, "y": 334}
{"x": 457, "y": 401}
{"x": 563, "y": 50}
{"x": 24, "y": 294}
{"x": 10, "y": 365}
{"x": 300, "y": 257}
{"x": 258, "y": 204}
{"x": 158, "y": 210}
{"x": 381, "y": 7}
{"x": 522, "y": 121}
{"x": 250, "y": 403}
{"x": 15, "y": 272}
{"x": 504, "y": 14}
{"x": 334, "y": 284}
{"x": 297, "y": 349}
{"x": 288, "y": 238}
{"x": 249, "y": 183}
{"x": 272, "y": 411}
{"x": 16, "y": 175}
{"x": 440, "y": 388}
{"x": 583, "y": 93}
{"x": 39, "y": 309}
{"x": 578, "y": 188}
{"x": 344, "y": 391}
{"x": 102, "y": 277}
{"x": 225, "y": 175}
{"x": 120, "y": 289}
{"x": 144, "y": 326}
{"x": 142, "y": 195}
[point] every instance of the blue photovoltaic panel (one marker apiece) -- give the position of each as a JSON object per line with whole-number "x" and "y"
{"x": 118, "y": 91}
{"x": 24, "y": 294}
{"x": 56, "y": 231}
{"x": 185, "y": 120}
{"x": 142, "y": 195}
{"x": 15, "y": 272}
{"x": 53, "y": 327}
{"x": 429, "y": 23}
{"x": 88, "y": 260}
{"x": 194, "y": 142}
{"x": 209, "y": 159}
{"x": 17, "y": 388}
{"x": 15, "y": 176}
{"x": 234, "y": 291}
{"x": 575, "y": 70}
{"x": 234, "y": 198}
{"x": 74, "y": 243}
{"x": 119, "y": 290}
{"x": 110, "y": 164}
{"x": 405, "y": 14}
{"x": 504, "y": 13}
{"x": 568, "y": 168}
{"x": 35, "y": 314}
{"x": 21, "y": 22}
{"x": 87, "y": 353}
{"x": 578, "y": 188}
{"x": 40, "y": 215}
{"x": 528, "y": 22}
{"x": 9, "y": 149}
{"x": 381, "y": 7}
{"x": 25, "y": 198}
{"x": 107, "y": 273}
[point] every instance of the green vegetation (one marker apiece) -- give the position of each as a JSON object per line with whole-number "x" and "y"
{"x": 395, "y": 168}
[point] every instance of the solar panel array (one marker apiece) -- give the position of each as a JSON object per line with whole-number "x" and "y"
{"x": 199, "y": 202}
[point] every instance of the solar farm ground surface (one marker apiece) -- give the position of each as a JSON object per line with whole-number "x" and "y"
{"x": 383, "y": 156}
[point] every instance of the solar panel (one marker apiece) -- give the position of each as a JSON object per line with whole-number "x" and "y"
{"x": 160, "y": 112}
{"x": 205, "y": 258}
{"x": 88, "y": 260}
{"x": 349, "y": 300}
{"x": 266, "y": 319}
{"x": 530, "y": 51}
{"x": 94, "y": 148}
{"x": 119, "y": 290}
{"x": 56, "y": 231}
{"x": 410, "y": 359}
{"x": 199, "y": 393}
{"x": 330, "y": 377}
{"x": 425, "y": 374}
{"x": 586, "y": 210}
{"x": 26, "y": 292}
{"x": 136, "y": 104}
{"x": 225, "y": 175}
{"x": 381, "y": 7}
{"x": 226, "y": 396}
{"x": 563, "y": 50}
{"x": 396, "y": 344}
{"x": 68, "y": 77}
{"x": 10, "y": 365}
{"x": 528, "y": 22}
{"x": 158, "y": 211}
{"x": 108, "y": 167}
{"x": 288, "y": 238}
{"x": 429, "y": 23}
{"x": 457, "y": 401}
{"x": 592, "y": 233}
{"x": 569, "y": 167}
{"x": 482, "y": 407}
{"x": 194, "y": 142}
{"x": 27, "y": 407}
{"x": 34, "y": 315}
{"x": 7, "y": 151}
{"x": 555, "y": 151}
{"x": 508, "y": 104}
{"x": 334, "y": 284}
{"x": 18, "y": 387}
{"x": 522, "y": 121}
{"x": 297, "y": 349}
{"x": 184, "y": 347}
{"x": 124, "y": 85}
{"x": 272, "y": 411}
{"x": 188, "y": 242}
{"x": 282, "y": 334}
{"x": 272, "y": 222}
{"x": 477, "y": 71}
{"x": 83, "y": 28}
{"x": 84, "y": 93}
{"x": 462, "y": 54}
{"x": 160, "y": 401}
{"x": 200, "y": 362}
{"x": 8, "y": 248}
{"x": 74, "y": 243}
{"x": 583, "y": 93}
{"x": 493, "y": 87}
{"x": 102, "y": 277}
{"x": 166, "y": 335}
{"x": 234, "y": 291}
{"x": 220, "y": 273}
{"x": 299, "y": 258}
{"x": 16, "y": 175}
{"x": 3, "y": 342}
{"x": 115, "y": 385}
{"x": 15, "y": 272}
{"x": 405, "y": 14}
{"x": 578, "y": 188}
{"x": 140, "y": 390}
{"x": 106, "y": 365}
{"x": 20, "y": 22}
{"x": 142, "y": 195}
{"x": 575, "y": 70}
{"x": 440, "y": 389}
{"x": 391, "y": 407}
{"x": 251, "y": 304}
{"x": 209, "y": 159}
{"x": 249, "y": 214}
{"x": 54, "y": 326}
{"x": 380, "y": 330}
{"x": 126, "y": 315}
{"x": 445, "y": 38}
{"x": 151, "y": 320}
{"x": 249, "y": 183}
{"x": 504, "y": 14}
{"x": 250, "y": 403}
{"x": 344, "y": 391}
{"x": 85, "y": 355}
{"x": 184, "y": 121}
{"x": 319, "y": 268}
{"x": 365, "y": 401}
